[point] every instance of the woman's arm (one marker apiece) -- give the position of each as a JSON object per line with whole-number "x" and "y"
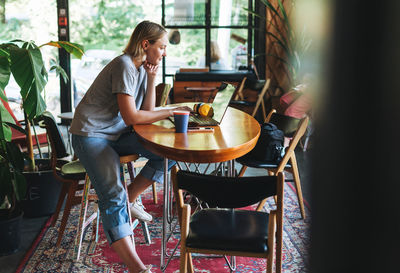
{"x": 150, "y": 98}
{"x": 132, "y": 116}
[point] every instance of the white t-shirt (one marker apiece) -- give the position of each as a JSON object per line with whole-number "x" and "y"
{"x": 97, "y": 114}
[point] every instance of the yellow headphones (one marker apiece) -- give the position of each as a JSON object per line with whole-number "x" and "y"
{"x": 203, "y": 109}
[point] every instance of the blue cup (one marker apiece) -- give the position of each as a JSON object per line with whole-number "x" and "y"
{"x": 181, "y": 120}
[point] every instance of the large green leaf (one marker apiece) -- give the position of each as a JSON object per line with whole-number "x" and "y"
{"x": 34, "y": 104}
{"x": 15, "y": 156}
{"x": 4, "y": 69}
{"x": 5, "y": 131}
{"x": 60, "y": 71}
{"x": 72, "y": 48}
{"x": 27, "y": 68}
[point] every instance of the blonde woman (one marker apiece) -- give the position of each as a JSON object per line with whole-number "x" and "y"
{"x": 122, "y": 95}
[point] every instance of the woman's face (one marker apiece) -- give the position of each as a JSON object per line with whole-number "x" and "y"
{"x": 155, "y": 52}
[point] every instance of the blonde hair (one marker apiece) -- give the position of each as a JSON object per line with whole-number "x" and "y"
{"x": 145, "y": 30}
{"x": 215, "y": 53}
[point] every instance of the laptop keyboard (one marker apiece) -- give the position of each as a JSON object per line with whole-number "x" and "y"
{"x": 202, "y": 120}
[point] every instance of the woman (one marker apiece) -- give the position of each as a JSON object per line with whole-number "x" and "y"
{"x": 122, "y": 95}
{"x": 217, "y": 62}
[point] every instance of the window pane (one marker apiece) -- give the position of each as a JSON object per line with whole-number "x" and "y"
{"x": 104, "y": 31}
{"x": 188, "y": 52}
{"x": 229, "y": 13}
{"x": 185, "y": 12}
{"x": 232, "y": 44}
{"x": 33, "y": 20}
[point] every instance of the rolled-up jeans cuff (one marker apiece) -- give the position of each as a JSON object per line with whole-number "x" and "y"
{"x": 155, "y": 175}
{"x": 116, "y": 233}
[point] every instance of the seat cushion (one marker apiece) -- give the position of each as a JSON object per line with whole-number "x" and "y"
{"x": 242, "y": 103}
{"x": 228, "y": 229}
{"x": 249, "y": 161}
{"x": 73, "y": 170}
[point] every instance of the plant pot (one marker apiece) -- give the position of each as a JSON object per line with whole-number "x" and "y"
{"x": 43, "y": 190}
{"x": 10, "y": 232}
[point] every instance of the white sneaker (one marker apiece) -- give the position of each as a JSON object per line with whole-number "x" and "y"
{"x": 147, "y": 270}
{"x": 137, "y": 211}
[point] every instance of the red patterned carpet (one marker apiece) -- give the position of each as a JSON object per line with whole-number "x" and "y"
{"x": 45, "y": 257}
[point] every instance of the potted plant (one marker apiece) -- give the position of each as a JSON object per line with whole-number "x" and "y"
{"x": 23, "y": 59}
{"x": 12, "y": 185}
{"x": 286, "y": 45}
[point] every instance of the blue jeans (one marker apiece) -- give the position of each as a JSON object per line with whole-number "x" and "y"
{"x": 100, "y": 157}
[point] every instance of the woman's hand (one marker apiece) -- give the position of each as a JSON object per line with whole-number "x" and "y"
{"x": 151, "y": 69}
{"x": 180, "y": 108}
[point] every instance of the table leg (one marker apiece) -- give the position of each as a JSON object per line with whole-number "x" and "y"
{"x": 165, "y": 216}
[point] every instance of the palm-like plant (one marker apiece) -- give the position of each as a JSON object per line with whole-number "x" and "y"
{"x": 24, "y": 61}
{"x": 291, "y": 43}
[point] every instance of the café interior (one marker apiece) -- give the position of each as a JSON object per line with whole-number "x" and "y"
{"x": 229, "y": 204}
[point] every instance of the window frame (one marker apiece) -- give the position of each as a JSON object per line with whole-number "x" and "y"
{"x": 208, "y": 27}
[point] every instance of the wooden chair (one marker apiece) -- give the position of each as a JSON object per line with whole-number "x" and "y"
{"x": 253, "y": 105}
{"x": 223, "y": 229}
{"x": 239, "y": 91}
{"x": 162, "y": 93}
{"x": 294, "y": 129}
{"x": 70, "y": 173}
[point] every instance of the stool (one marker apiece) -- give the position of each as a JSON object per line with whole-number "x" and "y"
{"x": 126, "y": 165}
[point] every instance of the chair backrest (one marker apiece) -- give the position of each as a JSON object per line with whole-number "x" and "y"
{"x": 260, "y": 98}
{"x": 162, "y": 93}
{"x": 288, "y": 125}
{"x": 227, "y": 192}
{"x": 295, "y": 136}
{"x": 239, "y": 90}
{"x": 56, "y": 140}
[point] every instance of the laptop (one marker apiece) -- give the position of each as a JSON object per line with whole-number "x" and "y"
{"x": 220, "y": 104}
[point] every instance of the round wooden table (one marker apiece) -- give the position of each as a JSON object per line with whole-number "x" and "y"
{"x": 235, "y": 136}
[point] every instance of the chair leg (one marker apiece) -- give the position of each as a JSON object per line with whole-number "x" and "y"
{"x": 155, "y": 198}
{"x": 190, "y": 263}
{"x": 123, "y": 180}
{"x": 144, "y": 225}
{"x": 261, "y": 205}
{"x": 67, "y": 210}
{"x": 82, "y": 218}
{"x": 296, "y": 178}
{"x": 146, "y": 232}
{"x": 242, "y": 170}
{"x": 60, "y": 201}
{"x": 183, "y": 261}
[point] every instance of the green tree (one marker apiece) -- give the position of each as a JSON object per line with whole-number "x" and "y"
{"x": 106, "y": 27}
{"x": 3, "y": 11}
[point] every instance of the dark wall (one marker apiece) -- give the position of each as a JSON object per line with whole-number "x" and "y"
{"x": 356, "y": 180}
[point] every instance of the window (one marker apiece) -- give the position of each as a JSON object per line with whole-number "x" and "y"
{"x": 104, "y": 31}
{"x": 32, "y": 20}
{"x": 213, "y": 33}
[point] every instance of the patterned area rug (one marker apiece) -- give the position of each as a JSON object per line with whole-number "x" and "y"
{"x": 45, "y": 257}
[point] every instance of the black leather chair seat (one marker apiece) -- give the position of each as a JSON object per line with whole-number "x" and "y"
{"x": 228, "y": 229}
{"x": 242, "y": 103}
{"x": 250, "y": 161}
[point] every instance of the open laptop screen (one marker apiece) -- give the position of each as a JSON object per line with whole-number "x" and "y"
{"x": 221, "y": 100}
